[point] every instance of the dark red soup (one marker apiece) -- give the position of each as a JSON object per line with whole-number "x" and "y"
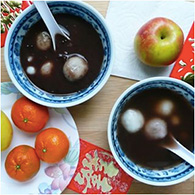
{"x": 165, "y": 105}
{"x": 84, "y": 41}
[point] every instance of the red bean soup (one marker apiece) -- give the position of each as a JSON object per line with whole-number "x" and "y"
{"x": 164, "y": 105}
{"x": 45, "y": 67}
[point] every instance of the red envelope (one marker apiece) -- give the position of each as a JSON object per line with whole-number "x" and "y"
{"x": 98, "y": 172}
{"x": 184, "y": 66}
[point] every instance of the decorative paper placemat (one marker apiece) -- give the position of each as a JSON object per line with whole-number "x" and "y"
{"x": 126, "y": 17}
{"x": 98, "y": 172}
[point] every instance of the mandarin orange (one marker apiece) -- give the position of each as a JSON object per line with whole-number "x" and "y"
{"x": 51, "y": 145}
{"x": 29, "y": 116}
{"x": 22, "y": 163}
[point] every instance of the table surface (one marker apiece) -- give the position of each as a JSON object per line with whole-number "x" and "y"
{"x": 92, "y": 116}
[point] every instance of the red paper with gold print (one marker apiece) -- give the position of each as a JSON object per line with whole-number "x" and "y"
{"x": 184, "y": 66}
{"x": 9, "y": 11}
{"x": 98, "y": 172}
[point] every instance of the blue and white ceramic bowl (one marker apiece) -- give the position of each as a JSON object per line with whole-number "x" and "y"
{"x": 12, "y": 53}
{"x": 167, "y": 176}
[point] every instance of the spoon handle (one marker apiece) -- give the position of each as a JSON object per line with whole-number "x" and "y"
{"x": 49, "y": 20}
{"x": 183, "y": 152}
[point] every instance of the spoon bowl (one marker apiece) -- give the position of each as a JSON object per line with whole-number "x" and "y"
{"x": 50, "y": 22}
{"x": 156, "y": 129}
{"x": 177, "y": 148}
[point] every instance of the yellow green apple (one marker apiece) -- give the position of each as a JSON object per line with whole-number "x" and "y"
{"x": 6, "y": 132}
{"x": 159, "y": 42}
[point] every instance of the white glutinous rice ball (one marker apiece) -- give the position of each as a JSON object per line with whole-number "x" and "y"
{"x": 46, "y": 68}
{"x": 43, "y": 41}
{"x": 75, "y": 68}
{"x": 156, "y": 129}
{"x": 30, "y": 58}
{"x": 165, "y": 107}
{"x": 31, "y": 70}
{"x": 132, "y": 120}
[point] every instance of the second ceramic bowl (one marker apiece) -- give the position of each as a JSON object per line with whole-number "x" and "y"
{"x": 163, "y": 177}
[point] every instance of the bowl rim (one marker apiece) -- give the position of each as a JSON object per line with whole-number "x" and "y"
{"x": 100, "y": 84}
{"x": 109, "y": 128}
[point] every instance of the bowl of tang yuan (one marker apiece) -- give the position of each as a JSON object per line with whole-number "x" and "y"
{"x": 71, "y": 74}
{"x": 133, "y": 131}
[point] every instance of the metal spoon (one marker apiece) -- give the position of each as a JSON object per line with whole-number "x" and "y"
{"x": 50, "y": 22}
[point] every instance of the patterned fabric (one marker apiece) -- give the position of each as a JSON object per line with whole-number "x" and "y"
{"x": 9, "y": 11}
